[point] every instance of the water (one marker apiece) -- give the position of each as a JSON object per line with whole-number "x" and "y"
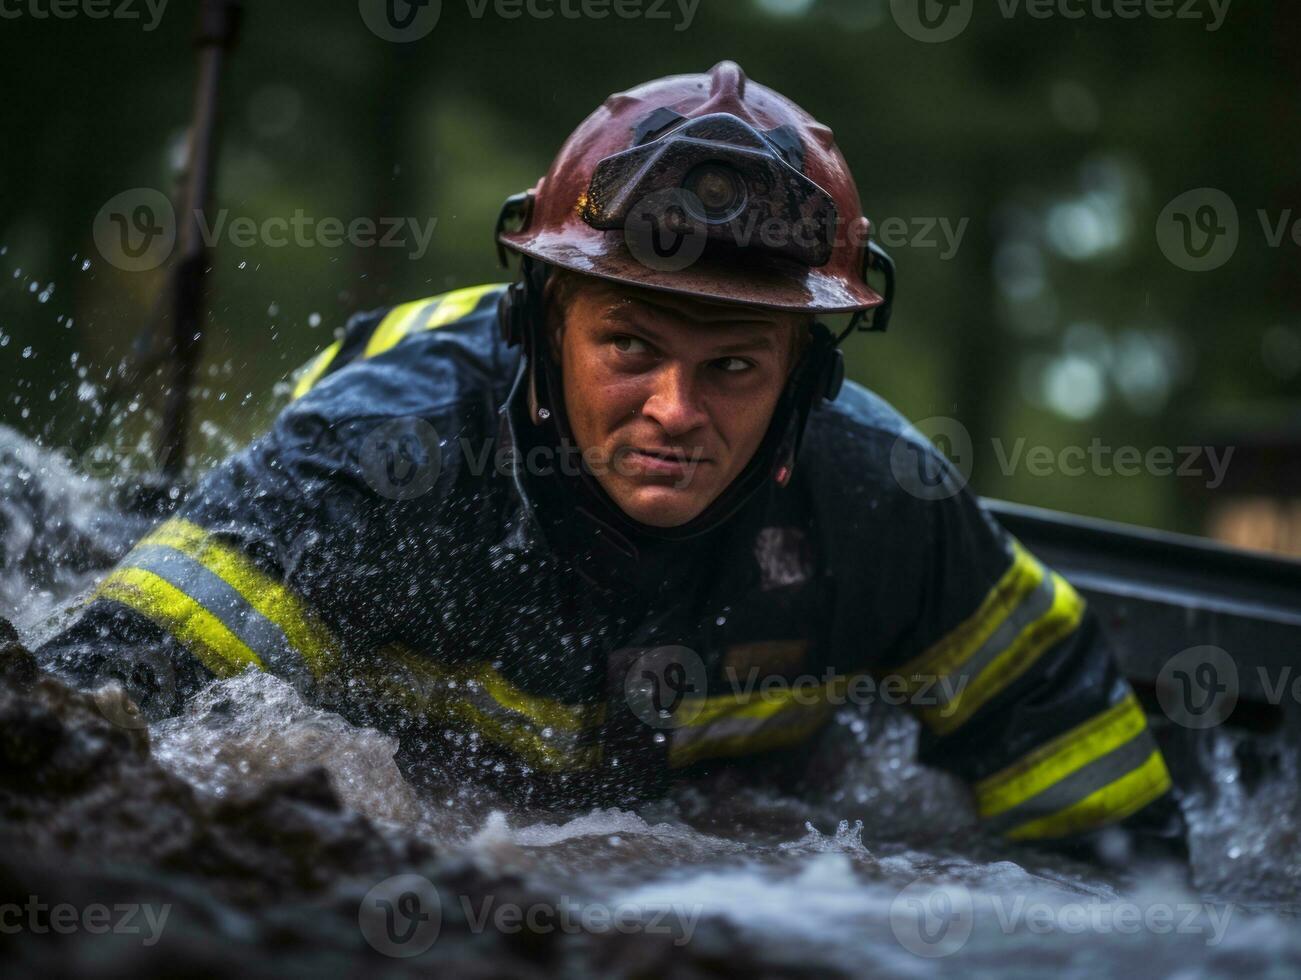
{"x": 880, "y": 874}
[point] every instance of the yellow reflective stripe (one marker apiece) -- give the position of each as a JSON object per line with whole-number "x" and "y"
{"x": 401, "y": 321}
{"x": 779, "y": 730}
{"x": 1055, "y": 760}
{"x": 944, "y": 658}
{"x": 528, "y": 745}
{"x": 424, "y": 314}
{"x": 171, "y": 609}
{"x": 1061, "y": 619}
{"x": 546, "y": 712}
{"x": 781, "y": 718}
{"x": 315, "y": 368}
{"x": 707, "y": 711}
{"x": 759, "y": 704}
{"x": 458, "y": 303}
{"x": 1114, "y": 802}
{"x": 270, "y": 598}
{"x": 397, "y": 323}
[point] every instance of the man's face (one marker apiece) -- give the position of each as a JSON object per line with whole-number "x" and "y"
{"x": 669, "y": 395}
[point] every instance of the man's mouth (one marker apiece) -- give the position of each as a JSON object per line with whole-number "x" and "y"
{"x": 660, "y": 462}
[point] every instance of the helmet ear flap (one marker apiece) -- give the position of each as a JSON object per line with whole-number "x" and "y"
{"x": 521, "y": 307}
{"x": 829, "y": 367}
{"x": 511, "y": 315}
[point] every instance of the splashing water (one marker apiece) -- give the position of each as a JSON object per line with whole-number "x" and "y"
{"x": 845, "y": 880}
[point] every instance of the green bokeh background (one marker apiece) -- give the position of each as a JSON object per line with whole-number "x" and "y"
{"x": 1058, "y": 141}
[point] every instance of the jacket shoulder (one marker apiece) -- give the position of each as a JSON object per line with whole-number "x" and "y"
{"x": 417, "y": 355}
{"x": 858, "y": 435}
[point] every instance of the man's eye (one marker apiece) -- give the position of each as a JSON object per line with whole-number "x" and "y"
{"x": 733, "y": 365}
{"x": 625, "y": 344}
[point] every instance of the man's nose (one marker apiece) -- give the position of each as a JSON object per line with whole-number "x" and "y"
{"x": 675, "y": 402}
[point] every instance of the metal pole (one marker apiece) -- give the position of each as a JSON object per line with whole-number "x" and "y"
{"x": 217, "y": 33}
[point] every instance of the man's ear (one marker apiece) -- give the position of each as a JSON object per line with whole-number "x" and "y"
{"x": 553, "y": 303}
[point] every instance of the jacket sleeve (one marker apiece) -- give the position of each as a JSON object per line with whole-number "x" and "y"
{"x": 282, "y": 558}
{"x": 1016, "y": 685}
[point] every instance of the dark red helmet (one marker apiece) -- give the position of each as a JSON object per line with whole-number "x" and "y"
{"x": 708, "y": 185}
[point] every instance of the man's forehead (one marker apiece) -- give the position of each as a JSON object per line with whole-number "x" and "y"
{"x": 618, "y": 300}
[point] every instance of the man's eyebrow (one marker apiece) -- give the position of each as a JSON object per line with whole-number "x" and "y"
{"x": 762, "y": 342}
{"x": 626, "y": 314}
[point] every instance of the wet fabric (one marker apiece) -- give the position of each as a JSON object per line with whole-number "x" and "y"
{"x": 406, "y": 546}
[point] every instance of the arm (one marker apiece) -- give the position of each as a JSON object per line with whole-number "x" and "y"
{"x": 274, "y": 561}
{"x": 1027, "y": 704}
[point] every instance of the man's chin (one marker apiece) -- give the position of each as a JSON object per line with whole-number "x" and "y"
{"x": 662, "y": 505}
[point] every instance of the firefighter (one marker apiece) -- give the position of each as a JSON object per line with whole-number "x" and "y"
{"x": 621, "y": 520}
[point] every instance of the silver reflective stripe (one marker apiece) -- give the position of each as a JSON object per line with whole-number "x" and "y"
{"x": 214, "y": 594}
{"x": 1087, "y": 779}
{"x": 1032, "y": 607}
